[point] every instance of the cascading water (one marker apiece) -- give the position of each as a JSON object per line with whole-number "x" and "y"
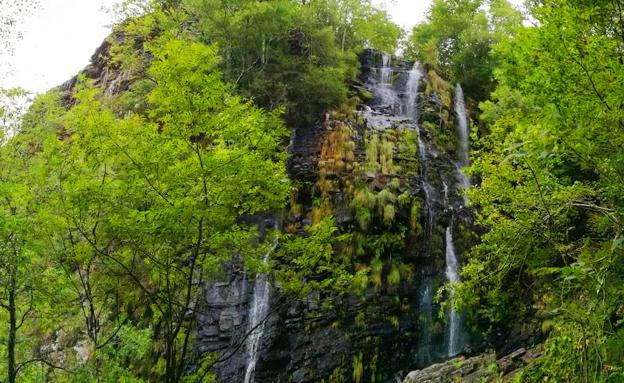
{"x": 453, "y": 277}
{"x": 407, "y": 106}
{"x": 257, "y": 317}
{"x": 410, "y": 98}
{"x": 463, "y": 132}
{"x": 425, "y": 308}
{"x": 411, "y": 91}
{"x": 462, "y": 126}
{"x": 410, "y": 110}
{"x": 427, "y": 188}
{"x": 383, "y": 88}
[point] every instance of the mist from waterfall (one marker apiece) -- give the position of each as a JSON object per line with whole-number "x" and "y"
{"x": 257, "y": 317}
{"x": 452, "y": 276}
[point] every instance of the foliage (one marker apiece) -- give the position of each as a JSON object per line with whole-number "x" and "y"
{"x": 551, "y": 195}
{"x": 135, "y": 212}
{"x": 456, "y": 39}
{"x": 292, "y": 53}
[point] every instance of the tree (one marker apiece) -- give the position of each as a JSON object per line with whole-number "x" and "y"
{"x": 290, "y": 53}
{"x": 155, "y": 201}
{"x": 551, "y": 192}
{"x": 457, "y": 37}
{"x": 24, "y": 277}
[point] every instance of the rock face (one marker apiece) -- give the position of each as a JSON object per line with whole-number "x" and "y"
{"x": 395, "y": 326}
{"x": 481, "y": 368}
{"x": 399, "y": 150}
{"x": 387, "y": 171}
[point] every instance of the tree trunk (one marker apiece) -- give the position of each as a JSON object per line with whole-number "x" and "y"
{"x": 12, "y": 373}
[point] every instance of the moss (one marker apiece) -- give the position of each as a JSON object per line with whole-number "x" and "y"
{"x": 384, "y": 197}
{"x": 394, "y": 277}
{"x": 439, "y": 86}
{"x": 386, "y": 157}
{"x": 364, "y": 217}
{"x": 365, "y": 95}
{"x": 358, "y": 368}
{"x": 395, "y": 183}
{"x": 394, "y": 321}
{"x": 376, "y": 268}
{"x": 361, "y": 280}
{"x": 372, "y": 153}
{"x": 415, "y": 217}
{"x": 406, "y": 271}
{"x": 388, "y": 214}
{"x": 404, "y": 199}
{"x": 360, "y": 320}
{"x": 364, "y": 198}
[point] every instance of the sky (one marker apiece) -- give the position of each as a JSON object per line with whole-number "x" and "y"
{"x": 61, "y": 35}
{"x": 58, "y": 41}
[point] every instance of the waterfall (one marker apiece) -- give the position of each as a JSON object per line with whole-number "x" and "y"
{"x": 257, "y": 316}
{"x": 425, "y": 308}
{"x": 463, "y": 132}
{"x": 406, "y": 107}
{"x": 383, "y": 88}
{"x": 411, "y": 91}
{"x": 386, "y": 70}
{"x": 427, "y": 188}
{"x": 453, "y": 277}
{"x": 463, "y": 129}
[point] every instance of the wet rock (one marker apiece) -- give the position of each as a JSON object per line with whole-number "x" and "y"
{"x": 477, "y": 369}
{"x": 306, "y": 341}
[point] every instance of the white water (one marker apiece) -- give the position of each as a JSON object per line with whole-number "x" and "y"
{"x": 427, "y": 188}
{"x": 411, "y": 91}
{"x": 386, "y": 70}
{"x": 425, "y": 307}
{"x": 463, "y": 132}
{"x": 410, "y": 110}
{"x": 453, "y": 277}
{"x": 462, "y": 126}
{"x": 384, "y": 88}
{"x": 257, "y": 316}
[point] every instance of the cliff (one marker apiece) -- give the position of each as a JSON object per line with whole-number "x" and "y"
{"x": 387, "y": 167}
{"x": 387, "y": 170}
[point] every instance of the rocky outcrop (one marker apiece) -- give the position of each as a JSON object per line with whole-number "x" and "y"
{"x": 393, "y": 326}
{"x": 477, "y": 369}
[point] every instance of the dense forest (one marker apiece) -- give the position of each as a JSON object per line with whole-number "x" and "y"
{"x": 252, "y": 164}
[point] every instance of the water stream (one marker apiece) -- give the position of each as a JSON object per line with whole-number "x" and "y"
{"x": 406, "y": 105}
{"x": 257, "y": 317}
{"x": 411, "y": 92}
{"x": 384, "y": 88}
{"x": 453, "y": 277}
{"x": 463, "y": 133}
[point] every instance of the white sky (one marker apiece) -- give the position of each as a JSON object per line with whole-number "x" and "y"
{"x": 58, "y": 41}
{"x": 60, "y": 37}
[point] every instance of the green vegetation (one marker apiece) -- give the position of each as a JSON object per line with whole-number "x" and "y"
{"x": 117, "y": 206}
{"x": 551, "y": 192}
{"x": 129, "y": 214}
{"x": 120, "y": 200}
{"x": 457, "y": 39}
